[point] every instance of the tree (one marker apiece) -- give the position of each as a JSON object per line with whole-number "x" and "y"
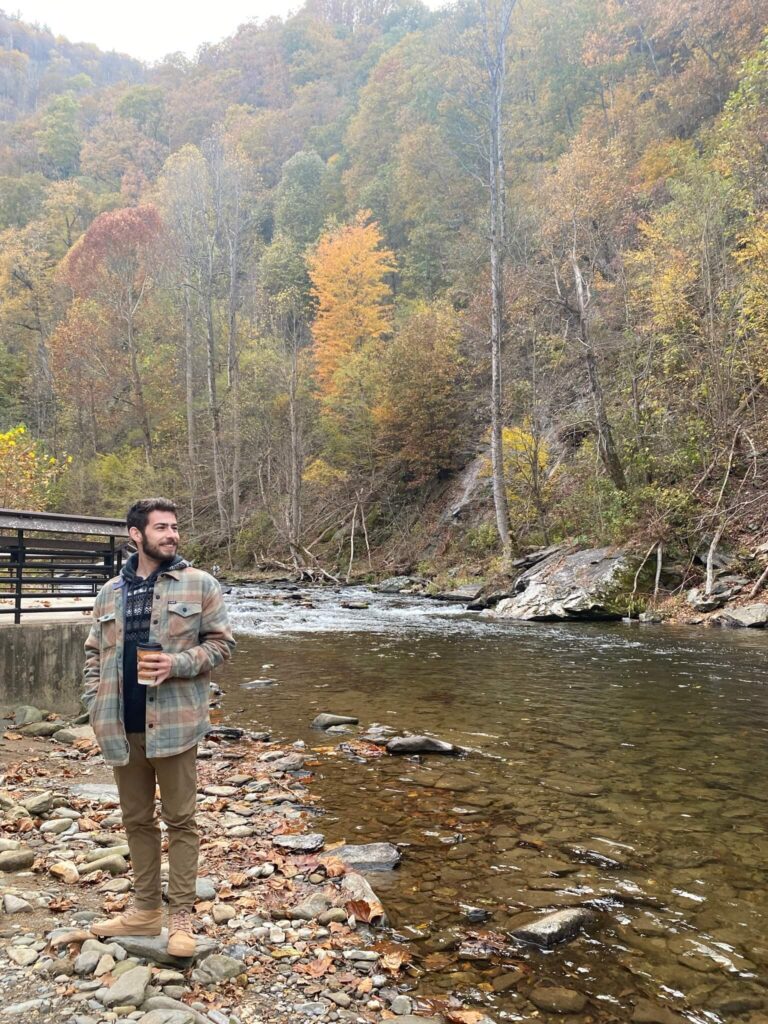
{"x": 496, "y": 25}
{"x": 421, "y": 409}
{"x": 348, "y": 270}
{"x": 116, "y": 262}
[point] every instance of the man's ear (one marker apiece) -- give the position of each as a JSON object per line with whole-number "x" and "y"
{"x": 135, "y": 534}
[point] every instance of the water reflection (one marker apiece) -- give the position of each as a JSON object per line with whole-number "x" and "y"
{"x": 619, "y": 767}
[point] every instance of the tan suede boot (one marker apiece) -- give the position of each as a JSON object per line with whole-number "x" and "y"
{"x": 132, "y": 922}
{"x": 181, "y": 940}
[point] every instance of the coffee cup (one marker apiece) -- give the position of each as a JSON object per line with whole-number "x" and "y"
{"x": 146, "y": 675}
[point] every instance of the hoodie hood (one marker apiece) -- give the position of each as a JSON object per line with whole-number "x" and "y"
{"x": 128, "y": 572}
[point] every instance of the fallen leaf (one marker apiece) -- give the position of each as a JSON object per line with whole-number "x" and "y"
{"x": 464, "y": 1016}
{"x": 334, "y": 867}
{"x": 365, "y": 911}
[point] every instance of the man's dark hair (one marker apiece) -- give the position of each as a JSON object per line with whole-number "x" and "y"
{"x": 138, "y": 513}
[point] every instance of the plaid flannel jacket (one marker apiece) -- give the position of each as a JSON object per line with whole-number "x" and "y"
{"x": 190, "y": 620}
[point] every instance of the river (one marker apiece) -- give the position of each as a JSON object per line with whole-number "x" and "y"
{"x": 622, "y": 767}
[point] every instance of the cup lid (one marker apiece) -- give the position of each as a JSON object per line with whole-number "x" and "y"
{"x": 149, "y": 647}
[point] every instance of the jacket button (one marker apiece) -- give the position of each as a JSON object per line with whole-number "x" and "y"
{"x": 151, "y": 725}
{"x": 155, "y": 621}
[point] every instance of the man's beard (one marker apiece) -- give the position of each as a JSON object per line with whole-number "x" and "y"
{"x": 161, "y": 553}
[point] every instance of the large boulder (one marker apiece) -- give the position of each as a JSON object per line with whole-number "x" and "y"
{"x": 750, "y": 616}
{"x": 570, "y": 584}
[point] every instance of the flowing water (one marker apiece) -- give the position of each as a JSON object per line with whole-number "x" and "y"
{"x": 619, "y": 767}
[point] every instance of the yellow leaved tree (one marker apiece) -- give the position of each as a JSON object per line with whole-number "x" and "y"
{"x": 26, "y": 473}
{"x": 348, "y": 271}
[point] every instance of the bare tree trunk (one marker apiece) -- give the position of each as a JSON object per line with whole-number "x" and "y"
{"x": 213, "y": 408}
{"x": 605, "y": 443}
{"x": 352, "y": 543}
{"x": 296, "y": 455}
{"x": 138, "y": 389}
{"x": 496, "y": 22}
{"x": 189, "y": 385}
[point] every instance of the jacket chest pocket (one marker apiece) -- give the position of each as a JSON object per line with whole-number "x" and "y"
{"x": 184, "y": 619}
{"x": 108, "y": 630}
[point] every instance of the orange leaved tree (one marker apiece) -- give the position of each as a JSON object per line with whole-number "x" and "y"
{"x": 348, "y": 270}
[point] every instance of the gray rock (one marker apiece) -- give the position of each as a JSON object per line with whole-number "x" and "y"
{"x": 103, "y": 792}
{"x": 401, "y": 1005}
{"x": 168, "y": 1017}
{"x": 38, "y": 804}
{"x": 310, "y": 908}
{"x": 701, "y": 602}
{"x": 750, "y": 616}
{"x": 17, "y": 860}
{"x": 166, "y": 1003}
{"x": 300, "y": 844}
{"x": 41, "y": 729}
{"x": 326, "y": 720}
{"x": 216, "y": 968}
{"x": 368, "y": 856}
{"x": 205, "y": 889}
{"x": 112, "y": 851}
{"x": 15, "y": 905}
{"x": 155, "y": 948}
{"x": 397, "y": 584}
{"x": 26, "y": 714}
{"x": 56, "y": 825}
{"x": 23, "y": 956}
{"x": 340, "y": 998}
{"x": 410, "y": 1018}
{"x": 355, "y": 887}
{"x": 558, "y": 1000}
{"x": 74, "y": 733}
{"x": 592, "y": 584}
{"x": 86, "y": 963}
{"x": 560, "y": 926}
{"x": 115, "y": 864}
{"x": 462, "y": 595}
{"x": 420, "y": 745}
{"x": 22, "y": 1010}
{"x": 9, "y": 844}
{"x": 129, "y": 989}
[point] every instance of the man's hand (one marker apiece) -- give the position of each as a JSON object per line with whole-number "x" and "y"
{"x": 158, "y": 664}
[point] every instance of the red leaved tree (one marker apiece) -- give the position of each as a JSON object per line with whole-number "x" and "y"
{"x": 114, "y": 263}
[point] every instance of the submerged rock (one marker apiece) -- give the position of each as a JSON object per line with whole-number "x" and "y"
{"x": 326, "y": 720}
{"x": 420, "y": 745}
{"x": 592, "y": 584}
{"x": 368, "y": 857}
{"x": 561, "y": 926}
{"x": 558, "y": 1000}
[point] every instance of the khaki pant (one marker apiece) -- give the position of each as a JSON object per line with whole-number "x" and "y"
{"x": 177, "y": 778}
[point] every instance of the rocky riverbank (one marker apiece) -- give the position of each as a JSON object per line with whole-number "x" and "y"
{"x": 286, "y": 929}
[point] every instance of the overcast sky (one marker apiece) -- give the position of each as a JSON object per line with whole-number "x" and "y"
{"x": 150, "y": 29}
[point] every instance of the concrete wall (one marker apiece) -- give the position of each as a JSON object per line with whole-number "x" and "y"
{"x": 42, "y": 664}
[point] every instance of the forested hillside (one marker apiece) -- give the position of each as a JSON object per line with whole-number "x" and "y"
{"x": 260, "y": 281}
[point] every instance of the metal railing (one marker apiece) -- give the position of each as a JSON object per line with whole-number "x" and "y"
{"x": 47, "y": 555}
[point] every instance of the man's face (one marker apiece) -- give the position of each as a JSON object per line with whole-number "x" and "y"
{"x": 160, "y": 538}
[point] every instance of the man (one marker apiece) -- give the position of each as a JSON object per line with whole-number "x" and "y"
{"x": 149, "y": 734}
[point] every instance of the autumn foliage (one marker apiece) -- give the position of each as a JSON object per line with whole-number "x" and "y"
{"x": 349, "y": 270}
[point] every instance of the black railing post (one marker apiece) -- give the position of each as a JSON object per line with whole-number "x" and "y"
{"x": 19, "y": 578}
